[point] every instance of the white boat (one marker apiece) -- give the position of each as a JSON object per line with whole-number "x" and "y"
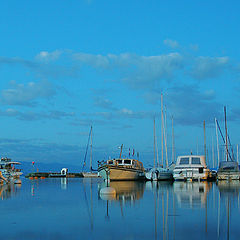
{"x": 8, "y": 171}
{"x": 159, "y": 174}
{"x": 191, "y": 167}
{"x": 228, "y": 170}
{"x": 121, "y": 169}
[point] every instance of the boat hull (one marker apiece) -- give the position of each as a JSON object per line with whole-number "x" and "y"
{"x": 120, "y": 173}
{"x": 228, "y": 176}
{"x": 153, "y": 175}
{"x": 191, "y": 175}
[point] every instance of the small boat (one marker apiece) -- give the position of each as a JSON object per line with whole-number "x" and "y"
{"x": 159, "y": 174}
{"x": 8, "y": 171}
{"x": 121, "y": 169}
{"x": 191, "y": 167}
{"x": 228, "y": 170}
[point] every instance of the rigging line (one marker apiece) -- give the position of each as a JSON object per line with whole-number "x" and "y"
{"x": 231, "y": 146}
{"x": 222, "y": 137}
{"x": 84, "y": 162}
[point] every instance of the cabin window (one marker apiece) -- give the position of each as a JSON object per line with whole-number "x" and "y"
{"x": 128, "y": 162}
{"x": 184, "y": 161}
{"x": 196, "y": 160}
{"x": 201, "y": 170}
{"x": 119, "y": 161}
{"x": 110, "y": 162}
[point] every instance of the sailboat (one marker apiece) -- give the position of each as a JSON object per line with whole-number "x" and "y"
{"x": 90, "y": 174}
{"x": 8, "y": 171}
{"x": 228, "y": 169}
{"x": 160, "y": 173}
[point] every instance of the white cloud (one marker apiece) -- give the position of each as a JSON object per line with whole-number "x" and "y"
{"x": 171, "y": 43}
{"x": 48, "y": 56}
{"x": 20, "y": 94}
{"x": 209, "y": 67}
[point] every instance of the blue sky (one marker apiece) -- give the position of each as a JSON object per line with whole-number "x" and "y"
{"x": 67, "y": 65}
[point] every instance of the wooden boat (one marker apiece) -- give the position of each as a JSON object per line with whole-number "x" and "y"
{"x": 121, "y": 169}
{"x": 191, "y": 167}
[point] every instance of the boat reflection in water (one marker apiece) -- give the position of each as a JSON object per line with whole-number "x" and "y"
{"x": 126, "y": 191}
{"x": 191, "y": 194}
{"x": 227, "y": 201}
{"x": 8, "y": 190}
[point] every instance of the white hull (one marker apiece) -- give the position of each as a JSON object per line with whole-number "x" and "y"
{"x": 228, "y": 176}
{"x": 159, "y": 174}
{"x": 190, "y": 174}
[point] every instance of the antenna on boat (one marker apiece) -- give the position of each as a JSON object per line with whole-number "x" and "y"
{"x": 225, "y": 116}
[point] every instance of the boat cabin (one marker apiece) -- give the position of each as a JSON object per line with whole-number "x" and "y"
{"x": 125, "y": 163}
{"x": 227, "y": 166}
{"x": 191, "y": 161}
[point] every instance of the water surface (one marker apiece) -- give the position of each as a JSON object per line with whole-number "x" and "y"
{"x": 74, "y": 209}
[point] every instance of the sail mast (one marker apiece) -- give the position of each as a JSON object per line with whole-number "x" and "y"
{"x": 154, "y": 142}
{"x": 205, "y": 150}
{"x": 91, "y": 151}
{"x": 217, "y": 140}
{"x": 172, "y": 142}
{"x": 225, "y": 115}
{"x": 162, "y": 124}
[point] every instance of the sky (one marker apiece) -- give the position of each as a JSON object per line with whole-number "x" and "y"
{"x": 67, "y": 65}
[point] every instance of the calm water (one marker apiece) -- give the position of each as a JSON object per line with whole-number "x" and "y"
{"x": 73, "y": 209}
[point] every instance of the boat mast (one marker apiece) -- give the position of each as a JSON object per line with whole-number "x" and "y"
{"x": 154, "y": 142}
{"x": 91, "y": 151}
{"x": 165, "y": 137}
{"x": 225, "y": 115}
{"x": 213, "y": 160}
{"x": 162, "y": 124}
{"x": 121, "y": 151}
{"x": 217, "y": 140}
{"x": 172, "y": 142}
{"x": 205, "y": 151}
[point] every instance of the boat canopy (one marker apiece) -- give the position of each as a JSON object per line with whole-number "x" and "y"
{"x": 8, "y": 163}
{"x": 228, "y": 165}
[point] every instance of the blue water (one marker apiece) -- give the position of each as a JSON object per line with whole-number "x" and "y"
{"x": 74, "y": 209}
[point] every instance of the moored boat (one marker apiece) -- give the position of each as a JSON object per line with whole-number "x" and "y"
{"x": 8, "y": 171}
{"x": 191, "y": 167}
{"x": 159, "y": 174}
{"x": 228, "y": 170}
{"x": 121, "y": 169}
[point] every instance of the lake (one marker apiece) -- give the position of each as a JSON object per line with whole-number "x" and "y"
{"x": 74, "y": 209}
